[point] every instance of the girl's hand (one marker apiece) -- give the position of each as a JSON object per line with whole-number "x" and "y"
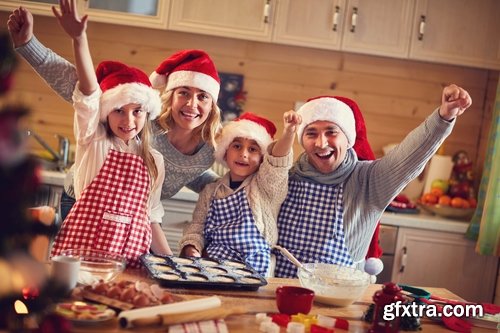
{"x": 190, "y": 251}
{"x": 454, "y": 101}
{"x": 20, "y": 25}
{"x": 69, "y": 19}
{"x": 291, "y": 122}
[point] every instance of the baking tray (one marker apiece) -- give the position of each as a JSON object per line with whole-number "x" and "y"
{"x": 202, "y": 273}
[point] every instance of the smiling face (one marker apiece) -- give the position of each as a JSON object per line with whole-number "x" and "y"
{"x": 243, "y": 158}
{"x": 128, "y": 121}
{"x": 325, "y": 145}
{"x": 190, "y": 107}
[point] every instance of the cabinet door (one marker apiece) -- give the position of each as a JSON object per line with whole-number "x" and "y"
{"x": 142, "y": 13}
{"x": 314, "y": 24}
{"x": 446, "y": 260}
{"x": 249, "y": 19}
{"x": 378, "y": 27}
{"x": 462, "y": 32}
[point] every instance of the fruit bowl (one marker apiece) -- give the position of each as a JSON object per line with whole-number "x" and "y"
{"x": 96, "y": 265}
{"x": 333, "y": 284}
{"x": 448, "y": 211}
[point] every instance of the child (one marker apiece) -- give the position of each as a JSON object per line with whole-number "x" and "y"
{"x": 235, "y": 218}
{"x": 118, "y": 177}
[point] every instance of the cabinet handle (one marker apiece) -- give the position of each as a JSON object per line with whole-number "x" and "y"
{"x": 267, "y": 10}
{"x": 421, "y": 27}
{"x": 354, "y": 19}
{"x": 335, "y": 18}
{"x": 403, "y": 260}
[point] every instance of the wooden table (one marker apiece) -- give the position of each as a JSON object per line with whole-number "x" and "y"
{"x": 263, "y": 300}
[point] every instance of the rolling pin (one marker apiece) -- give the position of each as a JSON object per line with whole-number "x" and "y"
{"x": 173, "y": 319}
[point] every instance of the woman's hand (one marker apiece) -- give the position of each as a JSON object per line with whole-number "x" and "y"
{"x": 454, "y": 101}
{"x": 20, "y": 25}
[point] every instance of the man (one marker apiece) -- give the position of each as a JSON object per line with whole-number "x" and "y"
{"x": 334, "y": 200}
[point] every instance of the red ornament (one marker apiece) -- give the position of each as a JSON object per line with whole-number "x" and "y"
{"x": 389, "y": 294}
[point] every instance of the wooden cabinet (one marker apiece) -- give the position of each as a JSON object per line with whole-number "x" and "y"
{"x": 461, "y": 32}
{"x": 443, "y": 259}
{"x": 362, "y": 26}
{"x": 143, "y": 13}
{"x": 249, "y": 19}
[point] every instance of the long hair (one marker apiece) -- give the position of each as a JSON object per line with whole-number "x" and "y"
{"x": 206, "y": 131}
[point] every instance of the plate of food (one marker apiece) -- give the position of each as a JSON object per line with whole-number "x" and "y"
{"x": 84, "y": 312}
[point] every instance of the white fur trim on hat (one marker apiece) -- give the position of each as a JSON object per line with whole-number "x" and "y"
{"x": 240, "y": 129}
{"x": 188, "y": 79}
{"x": 126, "y": 93}
{"x": 328, "y": 109}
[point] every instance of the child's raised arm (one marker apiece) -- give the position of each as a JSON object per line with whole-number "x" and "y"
{"x": 291, "y": 121}
{"x": 76, "y": 28}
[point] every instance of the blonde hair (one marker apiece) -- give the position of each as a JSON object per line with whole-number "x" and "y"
{"x": 206, "y": 132}
{"x": 144, "y": 148}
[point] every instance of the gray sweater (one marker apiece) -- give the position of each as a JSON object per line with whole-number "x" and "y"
{"x": 180, "y": 170}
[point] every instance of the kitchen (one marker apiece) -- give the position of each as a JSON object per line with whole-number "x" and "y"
{"x": 280, "y": 70}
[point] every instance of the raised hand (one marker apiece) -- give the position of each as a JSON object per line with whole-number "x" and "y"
{"x": 291, "y": 120}
{"x": 454, "y": 101}
{"x": 69, "y": 19}
{"x": 20, "y": 25}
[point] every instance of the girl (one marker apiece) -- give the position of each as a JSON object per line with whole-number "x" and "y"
{"x": 184, "y": 133}
{"x": 117, "y": 175}
{"x": 235, "y": 218}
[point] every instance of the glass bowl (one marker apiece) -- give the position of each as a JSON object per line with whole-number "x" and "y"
{"x": 96, "y": 265}
{"x": 333, "y": 284}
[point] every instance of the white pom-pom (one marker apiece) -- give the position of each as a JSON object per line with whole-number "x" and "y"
{"x": 374, "y": 266}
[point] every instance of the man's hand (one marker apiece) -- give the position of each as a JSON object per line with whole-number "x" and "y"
{"x": 190, "y": 251}
{"x": 454, "y": 101}
{"x": 20, "y": 25}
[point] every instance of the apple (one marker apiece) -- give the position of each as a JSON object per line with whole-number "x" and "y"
{"x": 440, "y": 183}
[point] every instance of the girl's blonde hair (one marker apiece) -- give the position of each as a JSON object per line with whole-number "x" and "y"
{"x": 145, "y": 148}
{"x": 206, "y": 132}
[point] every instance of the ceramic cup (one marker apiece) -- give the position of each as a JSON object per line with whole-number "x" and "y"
{"x": 292, "y": 300}
{"x": 65, "y": 271}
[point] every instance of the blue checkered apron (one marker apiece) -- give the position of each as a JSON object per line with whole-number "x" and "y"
{"x": 231, "y": 233}
{"x": 310, "y": 226}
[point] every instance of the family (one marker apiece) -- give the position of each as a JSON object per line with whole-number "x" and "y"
{"x": 140, "y": 139}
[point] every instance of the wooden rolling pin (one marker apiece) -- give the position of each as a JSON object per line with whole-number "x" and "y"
{"x": 181, "y": 318}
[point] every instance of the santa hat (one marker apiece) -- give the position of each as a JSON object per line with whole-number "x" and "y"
{"x": 190, "y": 68}
{"x": 373, "y": 264}
{"x": 328, "y": 108}
{"x": 121, "y": 85}
{"x": 248, "y": 126}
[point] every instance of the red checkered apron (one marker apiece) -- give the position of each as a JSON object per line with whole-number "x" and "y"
{"x": 111, "y": 212}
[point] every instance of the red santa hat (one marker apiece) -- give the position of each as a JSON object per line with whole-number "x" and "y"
{"x": 248, "y": 126}
{"x": 191, "y": 68}
{"x": 328, "y": 108}
{"x": 373, "y": 264}
{"x": 121, "y": 85}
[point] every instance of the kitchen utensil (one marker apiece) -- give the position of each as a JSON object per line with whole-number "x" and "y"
{"x": 293, "y": 260}
{"x": 292, "y": 300}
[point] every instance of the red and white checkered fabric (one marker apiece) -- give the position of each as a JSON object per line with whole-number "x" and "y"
{"x": 111, "y": 213}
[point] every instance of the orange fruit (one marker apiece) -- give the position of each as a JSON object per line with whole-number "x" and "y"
{"x": 444, "y": 200}
{"x": 437, "y": 191}
{"x": 457, "y": 202}
{"x": 429, "y": 198}
{"x": 465, "y": 204}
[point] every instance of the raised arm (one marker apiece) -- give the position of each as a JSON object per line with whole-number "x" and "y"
{"x": 284, "y": 144}
{"x": 76, "y": 26}
{"x": 56, "y": 71}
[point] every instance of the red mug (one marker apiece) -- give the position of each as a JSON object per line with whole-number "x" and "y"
{"x": 292, "y": 300}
